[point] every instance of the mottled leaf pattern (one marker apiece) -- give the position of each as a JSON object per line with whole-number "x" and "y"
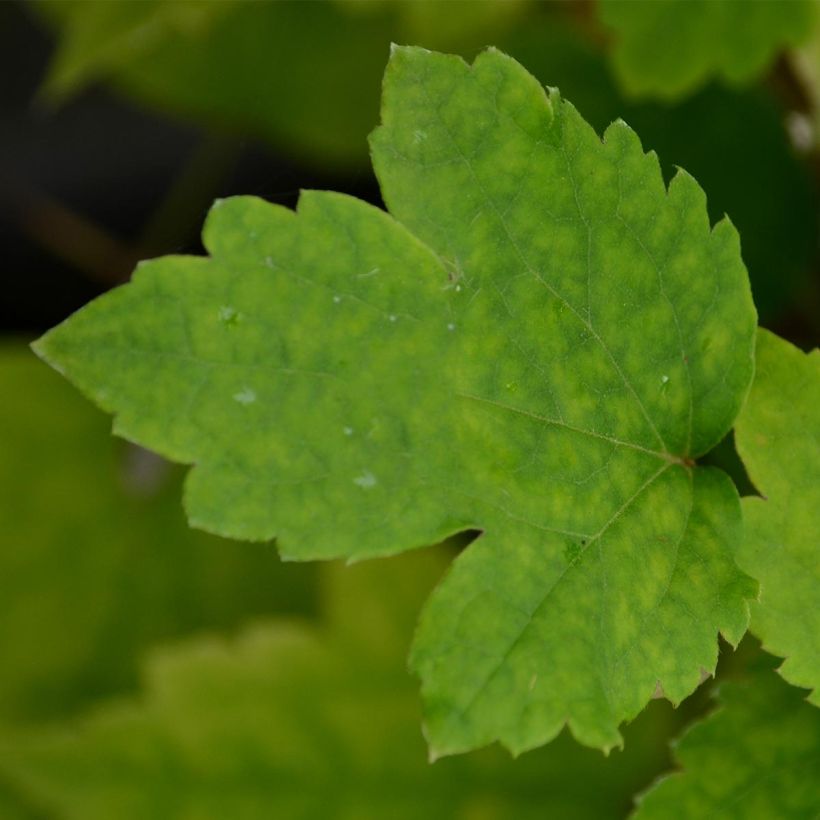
{"x": 537, "y": 342}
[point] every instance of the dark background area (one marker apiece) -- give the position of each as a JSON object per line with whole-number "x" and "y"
{"x": 89, "y": 188}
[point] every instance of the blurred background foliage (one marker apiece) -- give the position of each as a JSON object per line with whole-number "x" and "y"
{"x": 152, "y": 671}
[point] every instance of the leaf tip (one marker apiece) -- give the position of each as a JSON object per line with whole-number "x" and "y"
{"x": 42, "y": 350}
{"x": 38, "y": 347}
{"x": 398, "y": 50}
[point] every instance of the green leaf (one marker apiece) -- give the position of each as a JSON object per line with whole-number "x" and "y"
{"x": 96, "y": 561}
{"x": 756, "y": 757}
{"x": 302, "y": 75}
{"x": 778, "y": 438}
{"x": 296, "y": 722}
{"x": 542, "y": 358}
{"x": 669, "y": 48}
{"x": 718, "y": 135}
{"x": 280, "y": 367}
{"x": 597, "y": 306}
{"x": 99, "y": 37}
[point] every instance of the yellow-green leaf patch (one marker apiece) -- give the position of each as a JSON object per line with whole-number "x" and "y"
{"x": 670, "y": 47}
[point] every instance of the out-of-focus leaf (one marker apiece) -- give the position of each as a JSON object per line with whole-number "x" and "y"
{"x": 667, "y": 48}
{"x": 756, "y": 758}
{"x": 98, "y": 37}
{"x": 805, "y": 62}
{"x": 302, "y": 723}
{"x": 96, "y": 561}
{"x": 778, "y": 438}
{"x": 304, "y": 74}
{"x": 14, "y": 806}
{"x": 545, "y": 368}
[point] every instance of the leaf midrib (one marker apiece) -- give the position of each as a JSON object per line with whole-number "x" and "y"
{"x": 664, "y": 456}
{"x": 536, "y": 275}
{"x": 479, "y": 690}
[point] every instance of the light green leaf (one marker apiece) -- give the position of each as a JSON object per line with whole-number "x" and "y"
{"x": 718, "y": 135}
{"x": 778, "y": 438}
{"x": 299, "y": 368}
{"x": 755, "y": 758}
{"x": 96, "y": 562}
{"x": 295, "y": 722}
{"x": 670, "y": 47}
{"x": 545, "y": 368}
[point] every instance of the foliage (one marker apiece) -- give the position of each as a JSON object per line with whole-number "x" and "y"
{"x": 805, "y": 62}
{"x": 540, "y": 350}
{"x": 671, "y": 47}
{"x": 258, "y": 65}
{"x": 306, "y": 76}
{"x": 544, "y": 359}
{"x": 778, "y": 437}
{"x": 291, "y": 721}
{"x": 757, "y": 756}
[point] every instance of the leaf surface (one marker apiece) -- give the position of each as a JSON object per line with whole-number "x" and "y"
{"x": 669, "y": 48}
{"x": 297, "y": 722}
{"x": 778, "y": 438}
{"x": 537, "y": 343}
{"x": 299, "y": 367}
{"x": 756, "y": 756}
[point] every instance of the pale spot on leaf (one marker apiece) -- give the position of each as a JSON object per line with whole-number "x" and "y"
{"x": 245, "y": 396}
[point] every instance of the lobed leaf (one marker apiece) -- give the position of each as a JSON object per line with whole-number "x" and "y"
{"x": 537, "y": 343}
{"x": 757, "y": 756}
{"x": 778, "y": 438}
{"x": 595, "y": 308}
